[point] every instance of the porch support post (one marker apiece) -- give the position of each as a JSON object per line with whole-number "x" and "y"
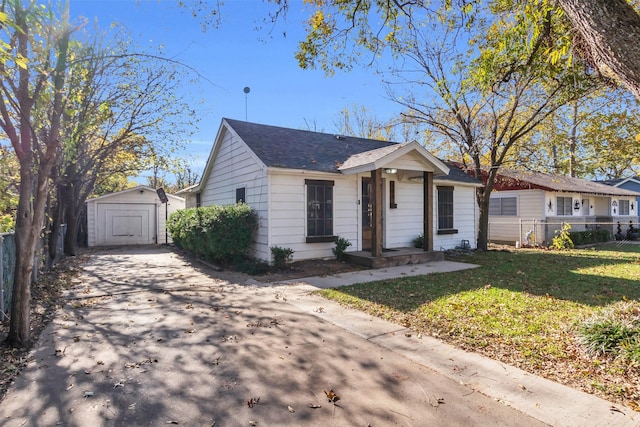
{"x": 376, "y": 207}
{"x": 428, "y": 210}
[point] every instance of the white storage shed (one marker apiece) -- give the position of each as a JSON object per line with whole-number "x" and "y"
{"x": 135, "y": 216}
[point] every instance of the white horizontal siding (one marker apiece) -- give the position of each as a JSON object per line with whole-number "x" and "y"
{"x": 465, "y": 219}
{"x": 531, "y": 210}
{"x": 165, "y": 212}
{"x": 412, "y": 163}
{"x": 288, "y": 213}
{"x": 404, "y": 223}
{"x": 236, "y": 167}
{"x": 92, "y": 212}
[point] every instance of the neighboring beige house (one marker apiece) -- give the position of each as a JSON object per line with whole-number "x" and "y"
{"x": 191, "y": 197}
{"x": 309, "y": 188}
{"x": 135, "y": 216}
{"x": 536, "y": 204}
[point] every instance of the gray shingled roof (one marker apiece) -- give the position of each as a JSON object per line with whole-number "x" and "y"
{"x": 301, "y": 149}
{"x": 617, "y": 181}
{"x": 457, "y": 175}
{"x": 370, "y": 156}
{"x": 315, "y": 151}
{"x": 544, "y": 181}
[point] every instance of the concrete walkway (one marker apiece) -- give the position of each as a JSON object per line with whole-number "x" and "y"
{"x": 147, "y": 338}
{"x": 542, "y": 399}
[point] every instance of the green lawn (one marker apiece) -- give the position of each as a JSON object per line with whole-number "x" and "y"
{"x": 525, "y": 308}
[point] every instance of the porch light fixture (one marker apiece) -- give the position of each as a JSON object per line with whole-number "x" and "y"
{"x": 576, "y": 205}
{"x": 631, "y": 205}
{"x": 391, "y": 170}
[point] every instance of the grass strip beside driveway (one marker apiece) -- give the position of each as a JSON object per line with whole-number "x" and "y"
{"x": 523, "y": 307}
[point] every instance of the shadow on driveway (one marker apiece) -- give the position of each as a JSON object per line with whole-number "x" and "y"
{"x": 147, "y": 338}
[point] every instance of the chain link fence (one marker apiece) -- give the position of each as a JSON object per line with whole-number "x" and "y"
{"x": 530, "y": 232}
{"x": 8, "y": 266}
{"x": 8, "y": 260}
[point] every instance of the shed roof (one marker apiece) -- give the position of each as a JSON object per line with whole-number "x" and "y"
{"x": 139, "y": 188}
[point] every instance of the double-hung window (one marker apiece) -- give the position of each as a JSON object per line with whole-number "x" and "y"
{"x": 623, "y": 207}
{"x": 503, "y": 206}
{"x": 241, "y": 195}
{"x": 564, "y": 205}
{"x": 445, "y": 210}
{"x": 319, "y": 206}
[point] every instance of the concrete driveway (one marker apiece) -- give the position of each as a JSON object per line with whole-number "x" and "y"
{"x": 147, "y": 338}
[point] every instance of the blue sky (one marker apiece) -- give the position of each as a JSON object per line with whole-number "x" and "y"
{"x": 236, "y": 56}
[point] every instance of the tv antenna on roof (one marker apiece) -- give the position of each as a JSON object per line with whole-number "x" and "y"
{"x": 247, "y": 89}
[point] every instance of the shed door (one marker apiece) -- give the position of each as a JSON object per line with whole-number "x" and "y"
{"x": 126, "y": 224}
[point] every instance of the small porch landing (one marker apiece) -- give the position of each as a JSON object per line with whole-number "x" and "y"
{"x": 393, "y": 257}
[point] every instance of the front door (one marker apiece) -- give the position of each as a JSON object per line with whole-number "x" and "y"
{"x": 367, "y": 213}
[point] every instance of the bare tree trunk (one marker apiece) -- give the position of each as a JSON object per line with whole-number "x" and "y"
{"x": 483, "y": 222}
{"x": 73, "y": 203}
{"x": 57, "y": 219}
{"x": 611, "y": 30}
{"x": 37, "y": 156}
{"x": 71, "y": 237}
{"x": 19, "y": 331}
{"x": 573, "y": 141}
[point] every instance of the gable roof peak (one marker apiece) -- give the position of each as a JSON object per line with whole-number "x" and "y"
{"x": 301, "y": 149}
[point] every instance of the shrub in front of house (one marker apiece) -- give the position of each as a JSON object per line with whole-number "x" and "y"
{"x": 589, "y": 236}
{"x": 217, "y": 233}
{"x": 341, "y": 247}
{"x": 281, "y": 256}
{"x": 632, "y": 233}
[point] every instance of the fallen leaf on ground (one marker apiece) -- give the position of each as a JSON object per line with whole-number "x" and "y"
{"x": 331, "y": 395}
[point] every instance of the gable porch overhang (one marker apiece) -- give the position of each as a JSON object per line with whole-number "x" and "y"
{"x": 411, "y": 161}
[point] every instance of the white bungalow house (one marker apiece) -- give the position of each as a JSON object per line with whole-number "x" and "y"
{"x": 532, "y": 206}
{"x": 309, "y": 188}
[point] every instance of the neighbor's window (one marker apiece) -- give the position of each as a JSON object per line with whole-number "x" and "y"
{"x": 623, "y": 207}
{"x": 504, "y": 206}
{"x": 198, "y": 200}
{"x": 319, "y": 210}
{"x": 445, "y": 210}
{"x": 564, "y": 205}
{"x": 240, "y": 195}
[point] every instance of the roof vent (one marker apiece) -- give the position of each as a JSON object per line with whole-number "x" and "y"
{"x": 341, "y": 137}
